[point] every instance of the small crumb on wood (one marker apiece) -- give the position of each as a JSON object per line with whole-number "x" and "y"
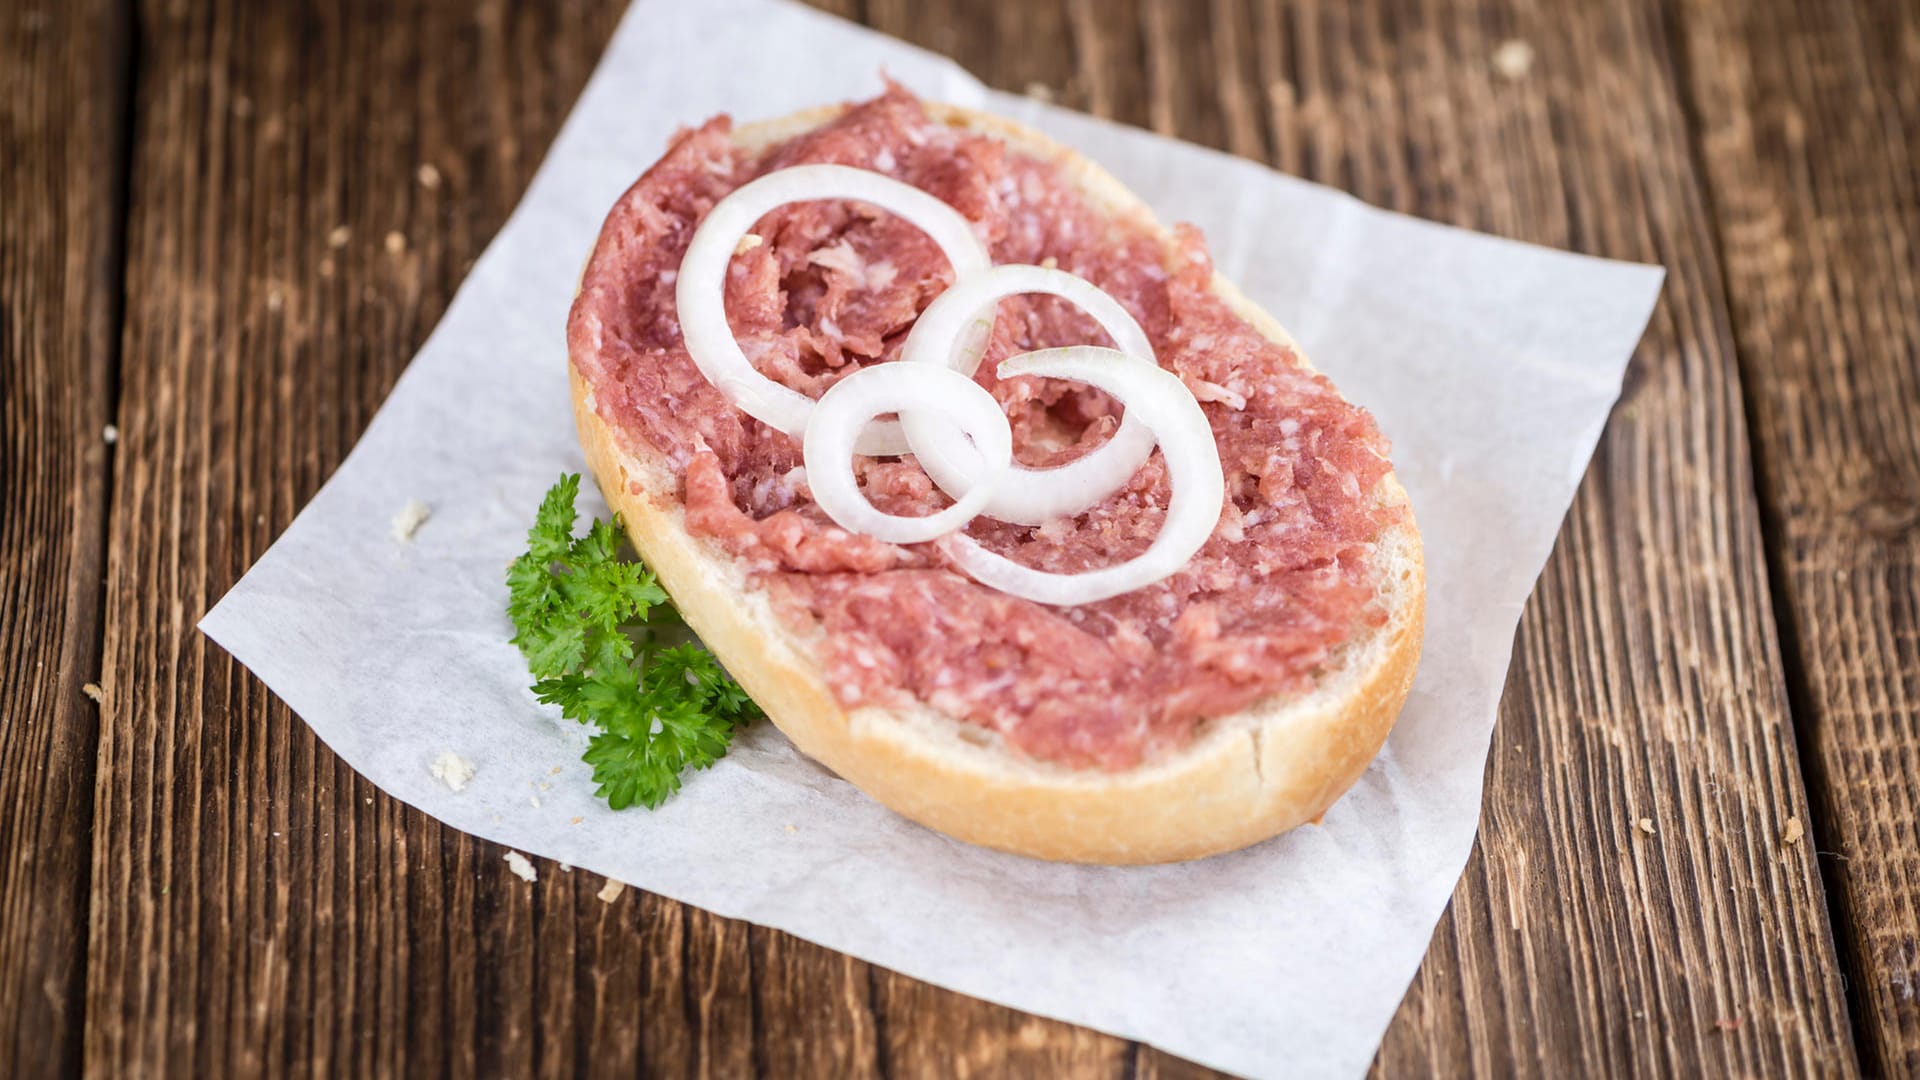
{"x": 242, "y": 106}
{"x": 339, "y": 236}
{"x": 566, "y": 868}
{"x": 1513, "y": 59}
{"x": 275, "y": 299}
{"x": 93, "y": 691}
{"x": 409, "y": 519}
{"x": 1728, "y": 1023}
{"x": 1040, "y": 91}
{"x": 111, "y": 433}
{"x": 1793, "y": 832}
{"x": 428, "y": 176}
{"x": 610, "y": 891}
{"x": 1646, "y": 825}
{"x": 396, "y": 242}
{"x": 326, "y": 268}
{"x": 453, "y": 770}
{"x": 521, "y": 868}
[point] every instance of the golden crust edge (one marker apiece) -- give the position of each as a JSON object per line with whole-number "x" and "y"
{"x": 1246, "y": 778}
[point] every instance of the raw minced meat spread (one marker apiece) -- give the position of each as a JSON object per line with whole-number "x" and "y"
{"x": 1285, "y": 580}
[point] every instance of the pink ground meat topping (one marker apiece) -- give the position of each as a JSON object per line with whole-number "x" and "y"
{"x": 1282, "y": 584}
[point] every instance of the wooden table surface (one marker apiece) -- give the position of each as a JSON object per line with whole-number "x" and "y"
{"x": 226, "y": 226}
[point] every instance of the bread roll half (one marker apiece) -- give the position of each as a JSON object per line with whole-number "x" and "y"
{"x": 1243, "y": 778}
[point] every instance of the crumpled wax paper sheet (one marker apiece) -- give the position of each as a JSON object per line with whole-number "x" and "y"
{"x": 1491, "y": 364}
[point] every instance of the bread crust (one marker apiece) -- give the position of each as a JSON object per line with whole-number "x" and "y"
{"x": 1245, "y": 778}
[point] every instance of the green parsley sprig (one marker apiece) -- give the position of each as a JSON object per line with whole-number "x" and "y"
{"x": 594, "y": 631}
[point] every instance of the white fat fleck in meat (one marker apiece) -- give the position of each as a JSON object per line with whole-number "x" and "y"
{"x": 1232, "y": 525}
{"x": 884, "y": 160}
{"x": 1213, "y": 391}
{"x": 841, "y": 256}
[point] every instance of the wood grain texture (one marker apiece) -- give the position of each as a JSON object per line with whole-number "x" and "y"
{"x": 1646, "y": 682}
{"x": 256, "y": 907}
{"x": 1809, "y": 120}
{"x": 62, "y": 134}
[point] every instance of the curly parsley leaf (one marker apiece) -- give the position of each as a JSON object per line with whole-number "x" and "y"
{"x": 589, "y": 626}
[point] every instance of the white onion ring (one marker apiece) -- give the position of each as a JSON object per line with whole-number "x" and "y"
{"x": 1165, "y": 406}
{"x": 844, "y": 410}
{"x": 1033, "y": 496}
{"x": 700, "y": 290}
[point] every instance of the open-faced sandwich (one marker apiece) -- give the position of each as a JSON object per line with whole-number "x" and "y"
{"x": 998, "y": 500}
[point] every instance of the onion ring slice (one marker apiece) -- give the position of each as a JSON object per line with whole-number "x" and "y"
{"x": 700, "y": 290}
{"x": 1165, "y": 406}
{"x": 844, "y": 409}
{"x": 1035, "y": 495}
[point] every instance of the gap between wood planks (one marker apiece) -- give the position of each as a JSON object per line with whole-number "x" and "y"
{"x": 63, "y": 199}
{"x": 1805, "y": 122}
{"x": 1800, "y": 705}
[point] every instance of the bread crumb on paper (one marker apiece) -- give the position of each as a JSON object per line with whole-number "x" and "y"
{"x": 534, "y": 801}
{"x": 93, "y": 691}
{"x": 521, "y": 868}
{"x": 1793, "y": 832}
{"x": 576, "y": 821}
{"x": 409, "y": 519}
{"x": 610, "y": 891}
{"x": 793, "y": 829}
{"x": 453, "y": 770}
{"x": 1513, "y": 59}
{"x": 1646, "y": 825}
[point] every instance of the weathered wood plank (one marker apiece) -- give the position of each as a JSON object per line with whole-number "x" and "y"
{"x": 259, "y": 908}
{"x": 255, "y": 911}
{"x": 62, "y": 153}
{"x": 1809, "y": 132}
{"x": 1646, "y": 682}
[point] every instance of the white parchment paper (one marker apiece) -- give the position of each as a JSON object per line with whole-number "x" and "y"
{"x": 1491, "y": 364}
